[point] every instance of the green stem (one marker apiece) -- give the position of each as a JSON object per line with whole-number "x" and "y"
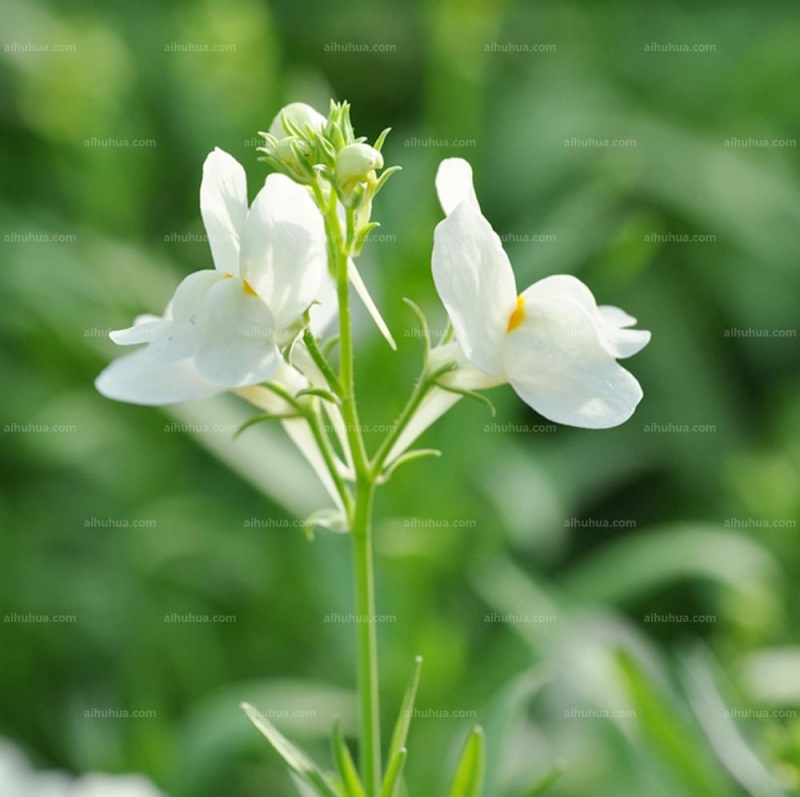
{"x": 368, "y": 683}
{"x": 339, "y": 247}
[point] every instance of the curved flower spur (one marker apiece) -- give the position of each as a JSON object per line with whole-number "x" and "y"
{"x": 257, "y": 325}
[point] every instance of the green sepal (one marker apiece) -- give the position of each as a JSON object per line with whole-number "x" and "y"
{"x": 426, "y": 330}
{"x": 379, "y": 141}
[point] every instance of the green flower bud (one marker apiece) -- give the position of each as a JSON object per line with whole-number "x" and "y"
{"x": 356, "y": 163}
{"x": 301, "y": 116}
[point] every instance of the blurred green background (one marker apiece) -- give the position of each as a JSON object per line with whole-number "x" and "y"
{"x": 623, "y": 603}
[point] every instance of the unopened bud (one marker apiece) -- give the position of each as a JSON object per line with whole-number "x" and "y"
{"x": 356, "y": 163}
{"x": 301, "y": 116}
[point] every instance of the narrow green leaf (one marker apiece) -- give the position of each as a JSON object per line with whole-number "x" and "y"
{"x": 344, "y": 763}
{"x": 408, "y": 456}
{"x": 426, "y": 330}
{"x": 319, "y": 392}
{"x": 545, "y": 782}
{"x": 394, "y": 774}
{"x": 295, "y": 759}
{"x": 400, "y": 734}
{"x": 267, "y": 416}
{"x": 468, "y": 781}
{"x": 470, "y": 394}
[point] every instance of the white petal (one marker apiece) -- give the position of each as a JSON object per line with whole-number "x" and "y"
{"x": 285, "y": 376}
{"x": 139, "y": 379}
{"x": 372, "y": 309}
{"x": 476, "y": 284}
{"x": 284, "y": 249}
{"x": 454, "y": 185}
{"x": 237, "y": 345}
{"x": 180, "y": 337}
{"x": 223, "y": 205}
{"x": 558, "y": 364}
{"x": 140, "y": 332}
{"x": 609, "y": 320}
{"x": 616, "y": 317}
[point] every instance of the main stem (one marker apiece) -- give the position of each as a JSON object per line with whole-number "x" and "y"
{"x": 360, "y": 514}
{"x": 363, "y": 569}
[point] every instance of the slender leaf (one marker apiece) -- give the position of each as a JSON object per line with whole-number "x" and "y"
{"x": 344, "y": 763}
{"x": 400, "y": 734}
{"x": 295, "y": 759}
{"x": 468, "y": 781}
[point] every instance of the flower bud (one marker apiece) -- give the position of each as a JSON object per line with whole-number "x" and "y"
{"x": 286, "y": 152}
{"x": 301, "y": 116}
{"x": 356, "y": 163}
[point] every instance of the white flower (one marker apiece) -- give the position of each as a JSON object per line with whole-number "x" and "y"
{"x": 552, "y": 343}
{"x": 18, "y": 779}
{"x": 223, "y": 326}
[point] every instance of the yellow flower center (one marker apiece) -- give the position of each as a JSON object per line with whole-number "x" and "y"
{"x": 518, "y": 316}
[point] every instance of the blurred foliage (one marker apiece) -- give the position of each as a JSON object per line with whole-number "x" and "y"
{"x": 509, "y": 523}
